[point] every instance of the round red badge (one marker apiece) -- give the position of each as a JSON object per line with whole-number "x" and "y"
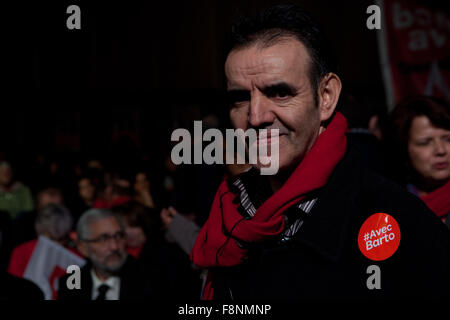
{"x": 379, "y": 237}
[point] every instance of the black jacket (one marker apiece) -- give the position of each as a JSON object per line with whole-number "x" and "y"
{"x": 324, "y": 261}
{"x": 136, "y": 282}
{"x": 18, "y": 289}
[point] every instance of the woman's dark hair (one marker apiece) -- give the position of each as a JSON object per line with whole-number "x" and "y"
{"x": 401, "y": 118}
{"x": 280, "y": 22}
{"x": 435, "y": 109}
{"x": 138, "y": 215}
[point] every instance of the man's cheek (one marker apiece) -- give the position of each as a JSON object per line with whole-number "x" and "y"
{"x": 238, "y": 120}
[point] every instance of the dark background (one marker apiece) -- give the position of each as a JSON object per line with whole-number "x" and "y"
{"x": 135, "y": 66}
{"x": 169, "y": 44}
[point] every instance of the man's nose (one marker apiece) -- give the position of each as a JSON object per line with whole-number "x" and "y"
{"x": 114, "y": 244}
{"x": 260, "y": 113}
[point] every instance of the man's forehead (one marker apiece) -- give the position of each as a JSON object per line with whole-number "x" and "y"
{"x": 105, "y": 225}
{"x": 284, "y": 59}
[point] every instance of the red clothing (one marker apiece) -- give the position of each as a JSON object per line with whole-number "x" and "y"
{"x": 103, "y": 204}
{"x": 134, "y": 251}
{"x": 20, "y": 257}
{"x": 215, "y": 245}
{"x": 439, "y": 200}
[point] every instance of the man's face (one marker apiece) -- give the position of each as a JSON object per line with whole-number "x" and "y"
{"x": 106, "y": 255}
{"x": 270, "y": 88}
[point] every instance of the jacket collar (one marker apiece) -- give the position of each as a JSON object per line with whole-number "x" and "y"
{"x": 327, "y": 225}
{"x": 87, "y": 283}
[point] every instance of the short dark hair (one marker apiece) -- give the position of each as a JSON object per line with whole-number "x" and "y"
{"x": 435, "y": 109}
{"x": 279, "y": 22}
{"x": 138, "y": 215}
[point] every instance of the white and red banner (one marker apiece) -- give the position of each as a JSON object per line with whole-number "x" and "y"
{"x": 48, "y": 263}
{"x": 414, "y": 43}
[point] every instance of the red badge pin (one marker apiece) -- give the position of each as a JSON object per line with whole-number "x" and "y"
{"x": 379, "y": 237}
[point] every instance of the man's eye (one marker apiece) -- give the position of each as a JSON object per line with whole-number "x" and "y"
{"x": 283, "y": 94}
{"x": 279, "y": 92}
{"x": 235, "y": 97}
{"x": 103, "y": 238}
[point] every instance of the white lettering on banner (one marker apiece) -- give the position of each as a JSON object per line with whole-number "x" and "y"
{"x": 402, "y": 18}
{"x": 427, "y": 28}
{"x": 420, "y": 39}
{"x": 436, "y": 80}
{"x": 439, "y": 39}
{"x": 417, "y": 40}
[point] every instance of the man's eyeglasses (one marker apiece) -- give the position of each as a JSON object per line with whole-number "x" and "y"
{"x": 104, "y": 238}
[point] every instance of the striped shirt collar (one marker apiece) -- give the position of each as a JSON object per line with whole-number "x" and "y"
{"x": 254, "y": 189}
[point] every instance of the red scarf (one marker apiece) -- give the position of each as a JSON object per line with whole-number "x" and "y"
{"x": 214, "y": 248}
{"x": 439, "y": 200}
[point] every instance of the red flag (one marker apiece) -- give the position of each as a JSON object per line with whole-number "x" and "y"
{"x": 43, "y": 261}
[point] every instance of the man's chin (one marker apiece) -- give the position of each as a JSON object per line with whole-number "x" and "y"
{"x": 275, "y": 169}
{"x": 115, "y": 266}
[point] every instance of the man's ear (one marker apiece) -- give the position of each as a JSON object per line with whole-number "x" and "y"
{"x": 82, "y": 247}
{"x": 329, "y": 90}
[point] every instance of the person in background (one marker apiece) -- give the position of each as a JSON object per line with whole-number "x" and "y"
{"x": 182, "y": 230}
{"x": 14, "y": 196}
{"x": 111, "y": 273}
{"x": 138, "y": 226}
{"x": 421, "y": 128}
{"x": 54, "y": 222}
{"x": 15, "y": 288}
{"x": 117, "y": 191}
{"x": 86, "y": 193}
{"x": 24, "y": 224}
{"x": 142, "y": 189}
{"x": 147, "y": 243}
{"x": 49, "y": 196}
{"x": 86, "y": 190}
{"x": 365, "y": 121}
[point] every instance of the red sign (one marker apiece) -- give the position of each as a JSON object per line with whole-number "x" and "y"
{"x": 415, "y": 50}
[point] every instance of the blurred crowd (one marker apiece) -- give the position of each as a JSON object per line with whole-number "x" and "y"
{"x": 139, "y": 221}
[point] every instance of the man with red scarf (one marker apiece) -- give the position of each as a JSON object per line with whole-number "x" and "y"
{"x": 295, "y": 234}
